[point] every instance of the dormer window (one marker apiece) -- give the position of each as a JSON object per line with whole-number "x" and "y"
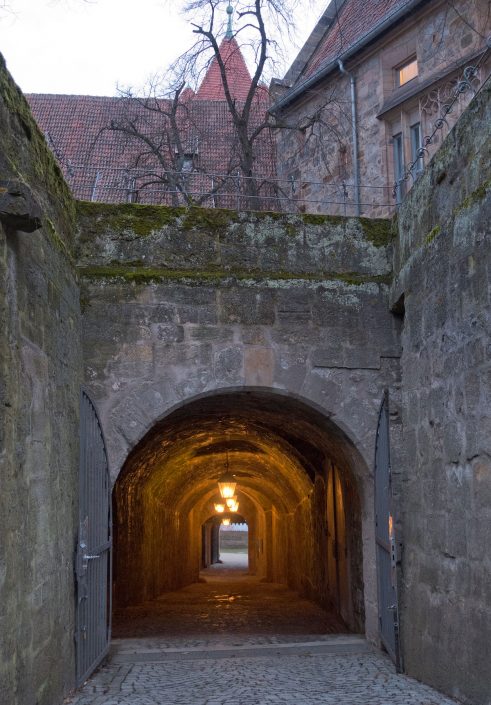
{"x": 406, "y": 72}
{"x": 188, "y": 163}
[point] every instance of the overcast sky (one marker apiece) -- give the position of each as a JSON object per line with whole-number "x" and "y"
{"x": 88, "y": 47}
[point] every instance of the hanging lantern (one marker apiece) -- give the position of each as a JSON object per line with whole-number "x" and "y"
{"x": 226, "y": 485}
{"x": 219, "y": 507}
{"x": 230, "y": 501}
{"x": 226, "y": 522}
{"x": 234, "y": 507}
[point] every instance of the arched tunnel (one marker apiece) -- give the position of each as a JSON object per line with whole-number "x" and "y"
{"x": 296, "y": 487}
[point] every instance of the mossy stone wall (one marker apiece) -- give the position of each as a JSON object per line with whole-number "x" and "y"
{"x": 40, "y": 377}
{"x": 443, "y": 272}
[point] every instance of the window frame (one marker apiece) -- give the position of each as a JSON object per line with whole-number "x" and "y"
{"x": 416, "y": 145}
{"x": 413, "y": 59}
{"x": 399, "y": 164}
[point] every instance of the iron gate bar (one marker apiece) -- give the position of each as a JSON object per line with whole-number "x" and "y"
{"x": 385, "y": 547}
{"x": 93, "y": 565}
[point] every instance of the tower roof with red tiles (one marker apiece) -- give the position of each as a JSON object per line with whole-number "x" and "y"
{"x": 238, "y": 76}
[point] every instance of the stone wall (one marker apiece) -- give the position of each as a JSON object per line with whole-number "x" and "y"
{"x": 181, "y": 304}
{"x": 40, "y": 375}
{"x": 443, "y": 268}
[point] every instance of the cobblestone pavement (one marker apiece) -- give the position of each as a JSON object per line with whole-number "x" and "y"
{"x": 283, "y": 662}
{"x": 269, "y": 678}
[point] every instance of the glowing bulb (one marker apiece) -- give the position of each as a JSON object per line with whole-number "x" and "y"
{"x": 225, "y": 522}
{"x": 234, "y": 507}
{"x": 226, "y": 485}
{"x": 219, "y": 507}
{"x": 230, "y": 501}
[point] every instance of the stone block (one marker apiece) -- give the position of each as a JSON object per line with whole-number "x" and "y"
{"x": 168, "y": 332}
{"x": 259, "y": 364}
{"x": 182, "y": 354}
{"x": 332, "y": 356}
{"x": 254, "y": 335}
{"x": 246, "y": 306}
{"x": 205, "y": 333}
{"x": 205, "y": 314}
{"x": 228, "y": 365}
{"x": 291, "y": 367}
{"x": 453, "y": 442}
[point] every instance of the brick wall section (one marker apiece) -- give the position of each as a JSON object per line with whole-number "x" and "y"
{"x": 40, "y": 367}
{"x": 444, "y": 269}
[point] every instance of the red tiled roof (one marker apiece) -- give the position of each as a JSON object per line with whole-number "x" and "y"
{"x": 92, "y": 156}
{"x": 98, "y": 162}
{"x": 238, "y": 76}
{"x": 356, "y": 18}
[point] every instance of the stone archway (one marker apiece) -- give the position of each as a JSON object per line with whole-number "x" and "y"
{"x": 299, "y": 486}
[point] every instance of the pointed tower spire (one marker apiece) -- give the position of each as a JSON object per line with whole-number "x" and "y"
{"x": 229, "y": 33}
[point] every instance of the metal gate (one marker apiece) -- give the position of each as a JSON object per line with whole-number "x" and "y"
{"x": 385, "y": 539}
{"x": 93, "y": 556}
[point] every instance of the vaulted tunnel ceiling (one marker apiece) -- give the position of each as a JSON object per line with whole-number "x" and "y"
{"x": 273, "y": 444}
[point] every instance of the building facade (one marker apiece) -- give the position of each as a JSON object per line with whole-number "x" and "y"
{"x": 379, "y": 76}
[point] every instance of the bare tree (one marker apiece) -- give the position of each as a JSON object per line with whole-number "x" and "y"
{"x": 161, "y": 134}
{"x": 198, "y": 148}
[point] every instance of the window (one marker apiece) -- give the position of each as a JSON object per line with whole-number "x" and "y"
{"x": 398, "y": 151}
{"x": 415, "y": 133}
{"x": 188, "y": 163}
{"x": 406, "y": 72}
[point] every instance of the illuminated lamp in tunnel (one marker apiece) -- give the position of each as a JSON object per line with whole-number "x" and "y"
{"x": 226, "y": 522}
{"x": 233, "y": 505}
{"x": 231, "y": 501}
{"x": 226, "y": 485}
{"x": 219, "y": 507}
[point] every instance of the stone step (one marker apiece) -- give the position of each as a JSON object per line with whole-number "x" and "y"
{"x": 138, "y": 653}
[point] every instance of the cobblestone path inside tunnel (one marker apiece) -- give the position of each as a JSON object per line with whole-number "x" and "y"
{"x": 229, "y": 603}
{"x": 233, "y": 640}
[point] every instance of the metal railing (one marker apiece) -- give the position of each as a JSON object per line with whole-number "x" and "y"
{"x": 260, "y": 192}
{"x": 468, "y": 83}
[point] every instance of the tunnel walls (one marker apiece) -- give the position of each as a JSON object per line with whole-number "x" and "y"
{"x": 40, "y": 376}
{"x": 443, "y": 268}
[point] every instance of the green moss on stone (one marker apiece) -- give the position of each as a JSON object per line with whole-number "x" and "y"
{"x": 432, "y": 234}
{"x": 316, "y": 219}
{"x": 209, "y": 218}
{"x": 57, "y": 241}
{"x": 475, "y": 197}
{"x": 378, "y": 230}
{"x": 39, "y": 162}
{"x": 145, "y": 275}
{"x": 118, "y": 217}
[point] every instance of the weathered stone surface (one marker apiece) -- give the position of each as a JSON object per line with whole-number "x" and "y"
{"x": 443, "y": 266}
{"x": 18, "y": 208}
{"x": 40, "y": 377}
{"x": 183, "y": 308}
{"x": 266, "y": 316}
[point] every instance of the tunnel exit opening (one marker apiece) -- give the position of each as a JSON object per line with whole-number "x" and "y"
{"x": 297, "y": 489}
{"x": 225, "y": 542}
